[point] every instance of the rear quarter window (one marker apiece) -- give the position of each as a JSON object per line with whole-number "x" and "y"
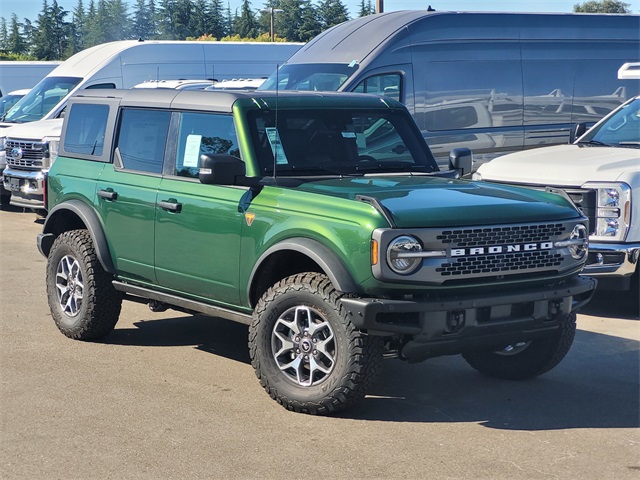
{"x": 86, "y": 127}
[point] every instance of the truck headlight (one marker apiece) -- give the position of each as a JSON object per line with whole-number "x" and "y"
{"x": 51, "y": 150}
{"x": 404, "y": 254}
{"x": 612, "y": 210}
{"x": 477, "y": 176}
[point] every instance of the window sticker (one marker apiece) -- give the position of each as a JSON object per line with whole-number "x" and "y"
{"x": 192, "y": 151}
{"x": 348, "y": 134}
{"x": 276, "y": 146}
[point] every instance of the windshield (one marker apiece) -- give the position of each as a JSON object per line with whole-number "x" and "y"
{"x": 36, "y": 104}
{"x": 327, "y": 77}
{"x": 338, "y": 142}
{"x": 8, "y": 101}
{"x": 621, "y": 129}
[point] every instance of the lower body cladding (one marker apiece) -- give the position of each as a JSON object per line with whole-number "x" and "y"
{"x": 453, "y": 325}
{"x": 26, "y": 187}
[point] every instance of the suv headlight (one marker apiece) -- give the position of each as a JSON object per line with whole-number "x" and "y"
{"x": 51, "y": 150}
{"x": 612, "y": 210}
{"x": 404, "y": 254}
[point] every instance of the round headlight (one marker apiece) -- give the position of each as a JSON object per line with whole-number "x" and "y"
{"x": 403, "y": 254}
{"x": 579, "y": 249}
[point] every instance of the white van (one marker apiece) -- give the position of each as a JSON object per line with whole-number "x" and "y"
{"x": 18, "y": 75}
{"x": 28, "y": 153}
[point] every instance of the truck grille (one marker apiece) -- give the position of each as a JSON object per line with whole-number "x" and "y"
{"x": 501, "y": 235}
{"x": 585, "y": 200}
{"x": 24, "y": 154}
{"x": 510, "y": 262}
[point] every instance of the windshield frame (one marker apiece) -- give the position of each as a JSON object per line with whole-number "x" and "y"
{"x": 19, "y": 113}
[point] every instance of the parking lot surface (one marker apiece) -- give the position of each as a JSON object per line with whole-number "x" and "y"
{"x": 173, "y": 396}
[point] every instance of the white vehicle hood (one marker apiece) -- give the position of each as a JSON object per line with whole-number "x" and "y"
{"x": 562, "y": 165}
{"x": 34, "y": 131}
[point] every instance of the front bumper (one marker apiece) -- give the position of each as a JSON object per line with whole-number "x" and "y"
{"x": 612, "y": 259}
{"x": 26, "y": 187}
{"x": 446, "y": 326}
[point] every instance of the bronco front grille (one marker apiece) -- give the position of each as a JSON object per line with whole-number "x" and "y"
{"x": 25, "y": 154}
{"x": 500, "y": 235}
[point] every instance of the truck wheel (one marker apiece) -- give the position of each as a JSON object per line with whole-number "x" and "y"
{"x": 526, "y": 359}
{"x": 306, "y": 352}
{"x": 83, "y": 302}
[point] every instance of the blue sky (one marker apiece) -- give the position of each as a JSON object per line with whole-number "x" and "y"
{"x": 30, "y": 8}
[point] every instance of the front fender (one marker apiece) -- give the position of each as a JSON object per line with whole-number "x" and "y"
{"x": 328, "y": 261}
{"x": 58, "y": 221}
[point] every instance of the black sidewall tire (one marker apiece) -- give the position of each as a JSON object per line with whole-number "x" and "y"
{"x": 100, "y": 309}
{"x": 540, "y": 356}
{"x": 357, "y": 358}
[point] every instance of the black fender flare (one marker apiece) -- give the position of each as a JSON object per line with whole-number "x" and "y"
{"x": 319, "y": 253}
{"x": 90, "y": 219}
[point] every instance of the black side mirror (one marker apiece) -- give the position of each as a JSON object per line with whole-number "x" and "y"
{"x": 461, "y": 159}
{"x": 577, "y": 131}
{"x": 220, "y": 169}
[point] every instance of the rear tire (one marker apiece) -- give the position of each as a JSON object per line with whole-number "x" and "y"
{"x": 527, "y": 359}
{"x": 83, "y": 302}
{"x": 306, "y": 352}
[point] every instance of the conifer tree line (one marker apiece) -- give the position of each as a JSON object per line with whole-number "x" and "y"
{"x": 57, "y": 33}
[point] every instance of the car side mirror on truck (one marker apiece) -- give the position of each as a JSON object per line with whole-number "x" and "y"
{"x": 461, "y": 159}
{"x": 577, "y": 131}
{"x": 221, "y": 169}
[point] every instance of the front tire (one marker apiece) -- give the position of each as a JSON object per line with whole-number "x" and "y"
{"x": 526, "y": 359}
{"x": 83, "y": 302}
{"x": 306, "y": 353}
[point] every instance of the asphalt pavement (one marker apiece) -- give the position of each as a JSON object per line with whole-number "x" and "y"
{"x": 173, "y": 396}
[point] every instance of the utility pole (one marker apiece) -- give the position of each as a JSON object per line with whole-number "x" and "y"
{"x": 272, "y": 13}
{"x": 379, "y": 6}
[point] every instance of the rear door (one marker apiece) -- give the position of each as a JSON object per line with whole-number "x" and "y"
{"x": 127, "y": 190}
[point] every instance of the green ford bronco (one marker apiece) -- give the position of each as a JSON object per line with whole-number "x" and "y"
{"x": 319, "y": 220}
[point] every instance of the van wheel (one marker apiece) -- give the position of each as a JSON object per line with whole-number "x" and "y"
{"x": 526, "y": 359}
{"x": 306, "y": 352}
{"x": 83, "y": 302}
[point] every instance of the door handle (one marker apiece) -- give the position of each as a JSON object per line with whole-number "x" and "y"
{"x": 108, "y": 194}
{"x": 170, "y": 205}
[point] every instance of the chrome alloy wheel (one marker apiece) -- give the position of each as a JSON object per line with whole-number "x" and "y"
{"x": 69, "y": 285}
{"x": 303, "y": 346}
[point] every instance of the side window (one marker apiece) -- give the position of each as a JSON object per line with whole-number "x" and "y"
{"x": 101, "y": 85}
{"x": 387, "y": 85}
{"x": 142, "y": 138}
{"x": 203, "y": 133}
{"x": 86, "y": 128}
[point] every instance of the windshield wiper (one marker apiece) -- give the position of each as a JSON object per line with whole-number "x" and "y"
{"x": 595, "y": 142}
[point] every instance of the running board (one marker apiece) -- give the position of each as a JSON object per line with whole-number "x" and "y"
{"x": 181, "y": 303}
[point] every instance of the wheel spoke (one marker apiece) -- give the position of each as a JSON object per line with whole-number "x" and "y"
{"x": 287, "y": 344}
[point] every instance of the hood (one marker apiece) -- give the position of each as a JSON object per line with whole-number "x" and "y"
{"x": 562, "y": 165}
{"x": 35, "y": 131}
{"x": 422, "y": 201}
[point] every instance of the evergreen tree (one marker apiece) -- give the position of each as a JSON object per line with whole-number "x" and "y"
{"x": 165, "y": 15}
{"x": 4, "y": 35}
{"x": 366, "y": 8}
{"x": 28, "y": 32}
{"x": 246, "y": 25}
{"x": 115, "y": 20}
{"x": 76, "y": 31}
{"x": 15, "y": 41}
{"x": 200, "y": 19}
{"x": 332, "y": 12}
{"x": 230, "y": 20}
{"x": 602, "y": 6}
{"x": 143, "y": 20}
{"x": 310, "y": 22}
{"x": 217, "y": 20}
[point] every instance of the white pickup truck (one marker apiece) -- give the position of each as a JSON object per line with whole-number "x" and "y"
{"x": 600, "y": 172}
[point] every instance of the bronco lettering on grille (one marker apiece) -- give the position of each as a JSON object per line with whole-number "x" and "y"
{"x": 498, "y": 249}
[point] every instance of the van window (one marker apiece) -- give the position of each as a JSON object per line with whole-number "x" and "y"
{"x": 472, "y": 94}
{"x": 387, "y": 84}
{"x": 326, "y": 77}
{"x": 203, "y": 134}
{"x": 86, "y": 128}
{"x": 41, "y": 99}
{"x": 101, "y": 85}
{"x": 141, "y": 139}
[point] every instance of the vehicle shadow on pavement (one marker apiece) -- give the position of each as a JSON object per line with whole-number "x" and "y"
{"x": 595, "y": 386}
{"x": 209, "y": 334}
{"x": 613, "y": 304}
